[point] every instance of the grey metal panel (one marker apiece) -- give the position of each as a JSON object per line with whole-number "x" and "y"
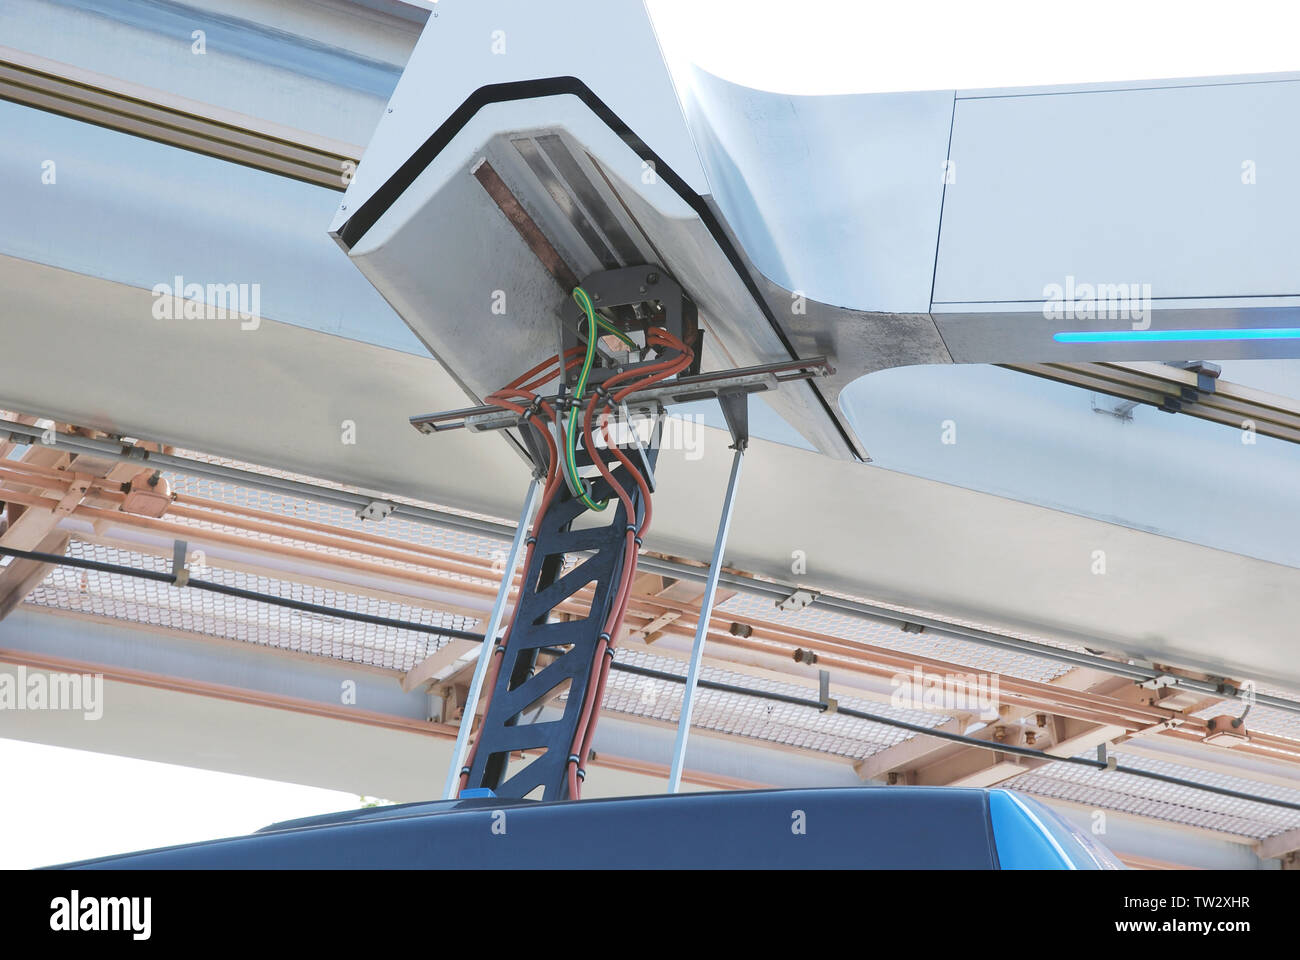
{"x": 834, "y": 196}
{"x": 587, "y": 194}
{"x": 142, "y": 213}
{"x": 472, "y": 44}
{"x": 1123, "y": 186}
{"x": 559, "y": 192}
{"x": 444, "y": 247}
{"x": 1010, "y": 332}
{"x": 1040, "y": 442}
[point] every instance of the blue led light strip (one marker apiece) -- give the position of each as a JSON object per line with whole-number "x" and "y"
{"x": 1164, "y": 336}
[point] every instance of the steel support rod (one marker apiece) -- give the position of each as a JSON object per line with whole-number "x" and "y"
{"x": 489, "y": 641}
{"x": 702, "y": 627}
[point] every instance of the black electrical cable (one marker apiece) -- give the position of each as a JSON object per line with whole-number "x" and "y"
{"x": 944, "y": 735}
{"x": 170, "y": 578}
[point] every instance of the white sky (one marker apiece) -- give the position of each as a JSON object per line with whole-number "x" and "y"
{"x": 870, "y": 46}
{"x": 62, "y": 804}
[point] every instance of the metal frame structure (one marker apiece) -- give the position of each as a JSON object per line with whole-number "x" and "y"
{"x": 634, "y": 298}
{"x": 520, "y": 685}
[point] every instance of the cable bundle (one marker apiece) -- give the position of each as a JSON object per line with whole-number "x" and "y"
{"x": 521, "y": 396}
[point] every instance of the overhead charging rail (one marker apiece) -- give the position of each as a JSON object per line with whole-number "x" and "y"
{"x": 627, "y": 347}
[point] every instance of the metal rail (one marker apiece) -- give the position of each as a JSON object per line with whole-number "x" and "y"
{"x": 162, "y": 117}
{"x": 704, "y": 386}
{"x": 1194, "y": 390}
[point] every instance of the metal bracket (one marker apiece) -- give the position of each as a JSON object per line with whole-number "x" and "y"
{"x": 635, "y": 298}
{"x": 704, "y": 386}
{"x": 1207, "y": 375}
{"x": 179, "y": 569}
{"x": 1106, "y": 757}
{"x": 735, "y": 408}
{"x": 1157, "y": 683}
{"x": 798, "y": 600}
{"x": 376, "y": 510}
{"x": 829, "y": 703}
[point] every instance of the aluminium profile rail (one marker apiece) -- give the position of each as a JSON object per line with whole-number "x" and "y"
{"x": 1186, "y": 390}
{"x": 704, "y": 386}
{"x": 165, "y": 118}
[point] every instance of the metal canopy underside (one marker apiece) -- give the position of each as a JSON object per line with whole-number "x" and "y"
{"x": 282, "y": 393}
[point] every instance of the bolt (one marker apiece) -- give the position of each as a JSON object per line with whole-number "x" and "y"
{"x": 1041, "y": 719}
{"x": 652, "y": 277}
{"x": 999, "y": 734}
{"x": 1030, "y": 737}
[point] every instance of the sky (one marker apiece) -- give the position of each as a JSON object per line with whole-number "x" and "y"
{"x": 61, "y": 805}
{"x": 870, "y": 46}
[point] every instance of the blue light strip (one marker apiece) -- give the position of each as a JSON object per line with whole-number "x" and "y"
{"x": 1164, "y": 336}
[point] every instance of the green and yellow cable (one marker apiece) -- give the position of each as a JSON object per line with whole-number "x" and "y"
{"x": 570, "y": 454}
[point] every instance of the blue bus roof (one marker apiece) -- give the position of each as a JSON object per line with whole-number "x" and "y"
{"x": 826, "y": 828}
